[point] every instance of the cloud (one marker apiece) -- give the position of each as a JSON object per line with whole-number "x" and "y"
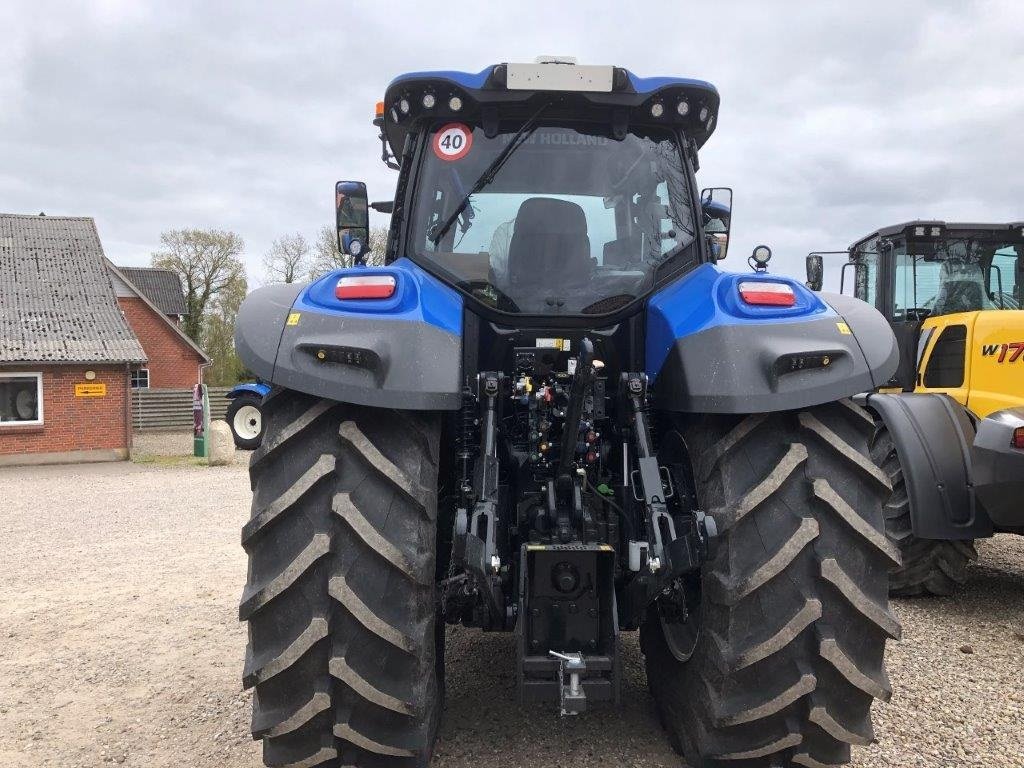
{"x": 836, "y": 118}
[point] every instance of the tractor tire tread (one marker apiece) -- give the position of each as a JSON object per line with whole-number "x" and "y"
{"x": 799, "y": 502}
{"x": 342, "y": 543}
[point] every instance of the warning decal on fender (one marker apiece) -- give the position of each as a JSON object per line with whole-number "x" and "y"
{"x": 453, "y": 141}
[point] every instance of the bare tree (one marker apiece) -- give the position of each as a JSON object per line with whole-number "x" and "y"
{"x": 326, "y": 255}
{"x": 206, "y": 261}
{"x": 219, "y": 335}
{"x": 287, "y": 260}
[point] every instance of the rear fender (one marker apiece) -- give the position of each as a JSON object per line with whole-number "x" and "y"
{"x": 709, "y": 352}
{"x": 933, "y": 435}
{"x": 248, "y": 388}
{"x": 401, "y": 352}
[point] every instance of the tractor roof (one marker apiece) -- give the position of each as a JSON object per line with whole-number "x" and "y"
{"x": 597, "y": 93}
{"x": 931, "y": 230}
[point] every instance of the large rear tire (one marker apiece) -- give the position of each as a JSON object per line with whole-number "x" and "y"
{"x": 343, "y": 639}
{"x": 930, "y": 566}
{"x": 794, "y": 616}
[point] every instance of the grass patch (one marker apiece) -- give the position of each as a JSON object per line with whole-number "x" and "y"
{"x": 168, "y": 461}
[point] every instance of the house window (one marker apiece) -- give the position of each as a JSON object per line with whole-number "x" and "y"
{"x": 21, "y": 398}
{"x": 140, "y": 378}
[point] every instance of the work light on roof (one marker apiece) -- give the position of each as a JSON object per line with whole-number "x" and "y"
{"x": 657, "y": 109}
{"x": 683, "y": 107}
{"x": 429, "y": 101}
{"x": 454, "y": 103}
{"x": 703, "y": 115}
{"x": 404, "y": 106}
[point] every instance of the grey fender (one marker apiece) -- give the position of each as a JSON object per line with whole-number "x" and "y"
{"x": 781, "y": 366}
{"x": 999, "y": 469}
{"x": 934, "y": 437}
{"x": 873, "y": 335}
{"x": 258, "y": 327}
{"x": 380, "y": 362}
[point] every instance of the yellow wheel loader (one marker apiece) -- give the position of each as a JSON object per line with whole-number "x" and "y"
{"x": 953, "y": 294}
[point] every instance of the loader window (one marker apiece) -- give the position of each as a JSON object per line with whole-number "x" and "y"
{"x": 955, "y": 275}
{"x": 917, "y": 285}
{"x": 865, "y": 279}
{"x": 1005, "y": 277}
{"x": 575, "y": 222}
{"x": 945, "y": 369}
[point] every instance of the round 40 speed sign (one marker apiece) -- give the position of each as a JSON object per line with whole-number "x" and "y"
{"x": 453, "y": 141}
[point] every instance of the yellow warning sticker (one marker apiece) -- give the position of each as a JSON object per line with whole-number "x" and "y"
{"x": 293, "y": 318}
{"x": 844, "y": 329}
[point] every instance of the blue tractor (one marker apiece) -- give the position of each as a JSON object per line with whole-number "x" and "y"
{"x": 244, "y": 413}
{"x": 551, "y": 413}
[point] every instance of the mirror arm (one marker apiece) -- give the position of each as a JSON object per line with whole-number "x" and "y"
{"x": 385, "y": 155}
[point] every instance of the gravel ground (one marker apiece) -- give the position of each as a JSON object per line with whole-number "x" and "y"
{"x": 119, "y": 644}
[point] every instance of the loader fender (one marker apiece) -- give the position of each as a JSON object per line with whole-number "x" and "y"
{"x": 934, "y": 437}
{"x": 709, "y": 352}
{"x": 999, "y": 469}
{"x": 403, "y": 351}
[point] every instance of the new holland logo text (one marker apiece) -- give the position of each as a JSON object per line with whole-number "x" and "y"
{"x": 1009, "y": 352}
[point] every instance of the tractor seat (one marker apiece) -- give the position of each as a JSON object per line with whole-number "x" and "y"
{"x": 550, "y": 246}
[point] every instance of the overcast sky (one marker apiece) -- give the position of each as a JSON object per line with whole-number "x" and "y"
{"x": 837, "y": 118}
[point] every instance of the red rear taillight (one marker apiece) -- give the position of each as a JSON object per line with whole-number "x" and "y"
{"x": 1018, "y": 438}
{"x": 763, "y": 293}
{"x": 365, "y": 287}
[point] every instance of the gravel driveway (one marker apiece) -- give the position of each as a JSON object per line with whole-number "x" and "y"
{"x": 119, "y": 644}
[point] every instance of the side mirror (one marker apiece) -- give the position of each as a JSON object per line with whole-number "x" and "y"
{"x": 815, "y": 271}
{"x": 716, "y": 211}
{"x": 352, "y": 217}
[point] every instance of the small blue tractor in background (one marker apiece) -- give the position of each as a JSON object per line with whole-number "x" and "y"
{"x": 551, "y": 413}
{"x": 244, "y": 414}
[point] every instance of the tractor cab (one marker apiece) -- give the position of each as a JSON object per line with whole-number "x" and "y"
{"x": 551, "y": 189}
{"x": 917, "y": 272}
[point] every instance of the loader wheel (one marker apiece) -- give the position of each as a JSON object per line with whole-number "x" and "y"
{"x": 930, "y": 566}
{"x": 344, "y": 645}
{"x": 794, "y": 615}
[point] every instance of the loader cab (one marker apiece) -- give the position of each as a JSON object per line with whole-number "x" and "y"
{"x": 917, "y": 272}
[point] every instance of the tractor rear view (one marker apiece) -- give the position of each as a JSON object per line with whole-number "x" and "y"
{"x": 551, "y": 414}
{"x": 953, "y": 294}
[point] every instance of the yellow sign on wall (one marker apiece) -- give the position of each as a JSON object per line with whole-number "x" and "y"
{"x": 92, "y": 389}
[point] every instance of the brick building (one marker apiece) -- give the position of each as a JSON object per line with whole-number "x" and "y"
{"x": 153, "y": 305}
{"x": 67, "y": 354}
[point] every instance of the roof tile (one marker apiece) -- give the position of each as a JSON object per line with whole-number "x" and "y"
{"x": 161, "y": 286}
{"x": 57, "y": 302}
